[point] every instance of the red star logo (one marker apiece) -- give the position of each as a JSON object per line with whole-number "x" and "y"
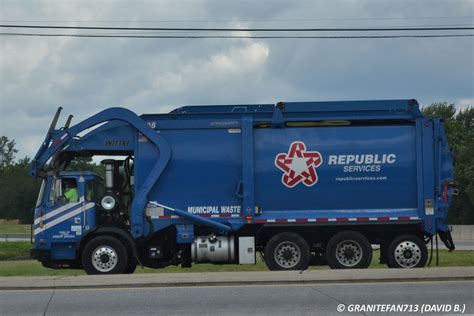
{"x": 298, "y": 165}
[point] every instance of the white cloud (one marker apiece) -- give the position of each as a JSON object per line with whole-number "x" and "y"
{"x": 226, "y": 65}
{"x": 87, "y": 75}
{"x": 465, "y": 103}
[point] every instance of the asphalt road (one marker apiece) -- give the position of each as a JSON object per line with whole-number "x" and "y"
{"x": 272, "y": 300}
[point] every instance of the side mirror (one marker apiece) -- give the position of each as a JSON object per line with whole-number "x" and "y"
{"x": 61, "y": 200}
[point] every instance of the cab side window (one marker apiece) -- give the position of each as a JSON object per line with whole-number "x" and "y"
{"x": 69, "y": 188}
{"x": 95, "y": 190}
{"x": 90, "y": 194}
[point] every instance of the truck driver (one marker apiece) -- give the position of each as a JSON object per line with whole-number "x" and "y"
{"x": 70, "y": 190}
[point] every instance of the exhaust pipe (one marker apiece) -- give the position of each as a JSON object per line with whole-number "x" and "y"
{"x": 109, "y": 174}
{"x": 109, "y": 201}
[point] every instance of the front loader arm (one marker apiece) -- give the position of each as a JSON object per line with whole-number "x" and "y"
{"x": 57, "y": 139}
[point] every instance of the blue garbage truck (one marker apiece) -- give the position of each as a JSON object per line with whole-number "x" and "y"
{"x": 299, "y": 183}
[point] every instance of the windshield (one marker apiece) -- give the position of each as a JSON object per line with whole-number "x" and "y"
{"x": 41, "y": 194}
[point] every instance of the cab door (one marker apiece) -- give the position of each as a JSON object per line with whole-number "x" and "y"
{"x": 60, "y": 225}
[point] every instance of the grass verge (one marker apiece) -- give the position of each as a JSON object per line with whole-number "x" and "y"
{"x": 12, "y": 250}
{"x": 15, "y": 229}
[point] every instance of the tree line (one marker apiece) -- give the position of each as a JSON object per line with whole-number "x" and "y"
{"x": 18, "y": 191}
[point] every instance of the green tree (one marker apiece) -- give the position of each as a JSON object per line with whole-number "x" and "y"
{"x": 86, "y": 164}
{"x": 18, "y": 191}
{"x": 460, "y": 131}
{"x": 7, "y": 151}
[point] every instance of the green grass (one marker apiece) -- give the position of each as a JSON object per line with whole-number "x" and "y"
{"x": 15, "y": 250}
{"x": 34, "y": 268}
{"x": 15, "y": 229}
{"x": 457, "y": 258}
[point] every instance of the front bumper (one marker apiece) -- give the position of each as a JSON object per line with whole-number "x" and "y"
{"x": 41, "y": 255}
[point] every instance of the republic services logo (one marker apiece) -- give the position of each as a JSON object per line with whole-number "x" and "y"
{"x": 298, "y": 165}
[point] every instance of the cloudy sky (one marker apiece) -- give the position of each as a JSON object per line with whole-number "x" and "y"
{"x": 85, "y": 75}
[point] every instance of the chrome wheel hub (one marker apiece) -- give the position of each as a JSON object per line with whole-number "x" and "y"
{"x": 287, "y": 254}
{"x": 104, "y": 259}
{"x": 349, "y": 253}
{"x": 407, "y": 254}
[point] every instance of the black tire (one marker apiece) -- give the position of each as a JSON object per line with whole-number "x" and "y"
{"x": 349, "y": 250}
{"x": 407, "y": 251}
{"x": 287, "y": 251}
{"x": 131, "y": 266}
{"x": 110, "y": 256}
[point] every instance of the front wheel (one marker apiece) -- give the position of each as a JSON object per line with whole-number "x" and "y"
{"x": 407, "y": 251}
{"x": 348, "y": 250}
{"x": 131, "y": 267}
{"x": 105, "y": 255}
{"x": 287, "y": 251}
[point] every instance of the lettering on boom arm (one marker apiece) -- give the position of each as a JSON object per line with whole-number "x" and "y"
{"x": 116, "y": 143}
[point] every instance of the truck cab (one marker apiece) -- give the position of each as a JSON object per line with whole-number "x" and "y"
{"x": 64, "y": 212}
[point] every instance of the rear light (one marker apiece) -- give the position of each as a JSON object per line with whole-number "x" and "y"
{"x": 445, "y": 192}
{"x": 40, "y": 213}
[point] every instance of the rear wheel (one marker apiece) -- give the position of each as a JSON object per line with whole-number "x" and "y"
{"x": 287, "y": 251}
{"x": 349, "y": 250}
{"x": 104, "y": 255}
{"x": 407, "y": 251}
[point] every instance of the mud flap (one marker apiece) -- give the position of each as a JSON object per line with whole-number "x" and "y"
{"x": 447, "y": 239}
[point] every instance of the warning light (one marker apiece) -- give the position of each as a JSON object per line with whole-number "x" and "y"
{"x": 40, "y": 213}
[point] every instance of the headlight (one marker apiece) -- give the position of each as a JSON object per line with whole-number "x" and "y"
{"x": 108, "y": 202}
